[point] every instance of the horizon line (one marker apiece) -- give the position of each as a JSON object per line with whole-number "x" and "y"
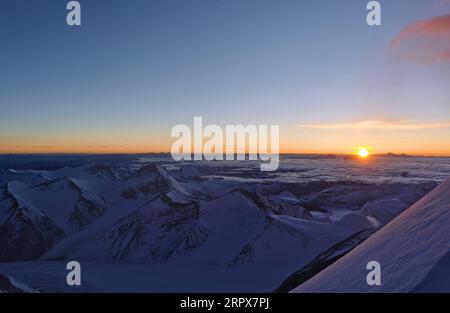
{"x": 162, "y": 152}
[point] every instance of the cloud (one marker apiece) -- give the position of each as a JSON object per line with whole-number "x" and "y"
{"x": 10, "y": 146}
{"x": 382, "y": 124}
{"x": 27, "y": 147}
{"x": 425, "y": 42}
{"x": 44, "y": 147}
{"x": 106, "y": 146}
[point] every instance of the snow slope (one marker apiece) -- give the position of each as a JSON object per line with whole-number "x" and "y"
{"x": 410, "y": 248}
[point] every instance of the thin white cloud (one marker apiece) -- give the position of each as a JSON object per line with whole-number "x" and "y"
{"x": 380, "y": 124}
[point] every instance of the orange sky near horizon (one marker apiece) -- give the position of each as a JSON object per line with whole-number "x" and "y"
{"x": 292, "y": 140}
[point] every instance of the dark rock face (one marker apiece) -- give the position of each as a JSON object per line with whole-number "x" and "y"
{"x": 84, "y": 210}
{"x": 323, "y": 260}
{"x": 25, "y": 234}
{"x": 158, "y": 231}
{"x": 7, "y": 286}
{"x": 22, "y": 238}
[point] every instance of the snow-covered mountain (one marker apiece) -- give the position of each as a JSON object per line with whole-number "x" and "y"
{"x": 413, "y": 251}
{"x": 154, "y": 231}
{"x": 236, "y": 228}
{"x": 25, "y": 231}
{"x": 66, "y": 201}
{"x": 213, "y": 219}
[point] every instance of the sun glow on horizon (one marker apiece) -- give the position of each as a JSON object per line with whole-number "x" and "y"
{"x": 363, "y": 152}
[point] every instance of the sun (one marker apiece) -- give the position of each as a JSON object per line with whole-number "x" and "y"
{"x": 363, "y": 152}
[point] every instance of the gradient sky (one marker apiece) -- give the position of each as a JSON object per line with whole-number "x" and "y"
{"x": 134, "y": 69}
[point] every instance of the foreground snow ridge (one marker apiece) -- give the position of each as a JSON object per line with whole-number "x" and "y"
{"x": 409, "y": 248}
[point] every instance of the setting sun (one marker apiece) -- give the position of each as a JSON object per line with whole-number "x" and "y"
{"x": 363, "y": 152}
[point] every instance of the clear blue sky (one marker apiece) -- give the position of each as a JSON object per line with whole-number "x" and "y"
{"x": 136, "y": 68}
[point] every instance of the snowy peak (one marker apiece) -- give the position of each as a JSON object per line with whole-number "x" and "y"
{"x": 158, "y": 230}
{"x": 59, "y": 184}
{"x": 67, "y": 202}
{"x": 25, "y": 232}
{"x": 102, "y": 171}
